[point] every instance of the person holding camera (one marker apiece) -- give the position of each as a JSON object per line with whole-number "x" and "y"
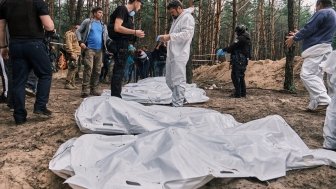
{"x": 73, "y": 51}
{"x": 28, "y": 21}
{"x": 121, "y": 30}
{"x": 92, "y": 37}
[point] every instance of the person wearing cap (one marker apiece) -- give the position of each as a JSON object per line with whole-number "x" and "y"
{"x": 240, "y": 53}
{"x": 317, "y": 36}
{"x": 121, "y": 30}
{"x": 178, "y": 50}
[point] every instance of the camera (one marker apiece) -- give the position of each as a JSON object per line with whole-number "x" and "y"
{"x": 52, "y": 35}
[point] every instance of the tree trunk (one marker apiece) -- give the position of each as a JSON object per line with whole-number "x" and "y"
{"x": 156, "y": 15}
{"x": 217, "y": 25}
{"x": 200, "y": 33}
{"x": 289, "y": 75}
{"x": 234, "y": 20}
{"x": 189, "y": 66}
{"x": 166, "y": 17}
{"x": 79, "y": 9}
{"x": 59, "y": 17}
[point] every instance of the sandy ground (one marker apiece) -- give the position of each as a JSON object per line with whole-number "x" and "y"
{"x": 26, "y": 150}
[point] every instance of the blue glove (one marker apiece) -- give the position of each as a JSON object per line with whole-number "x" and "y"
{"x": 220, "y": 53}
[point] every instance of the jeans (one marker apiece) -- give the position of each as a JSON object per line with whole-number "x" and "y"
{"x": 159, "y": 67}
{"x": 27, "y": 55}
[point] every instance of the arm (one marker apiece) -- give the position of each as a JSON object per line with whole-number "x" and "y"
{"x": 310, "y": 28}
{"x": 81, "y": 30}
{"x": 3, "y": 44}
{"x": 121, "y": 29}
{"x": 187, "y": 31}
{"x": 68, "y": 43}
{"x": 239, "y": 44}
{"x": 47, "y": 23}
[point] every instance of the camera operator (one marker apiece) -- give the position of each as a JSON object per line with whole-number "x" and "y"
{"x": 27, "y": 20}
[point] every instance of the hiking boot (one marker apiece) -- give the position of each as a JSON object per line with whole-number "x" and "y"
{"x": 69, "y": 86}
{"x": 44, "y": 112}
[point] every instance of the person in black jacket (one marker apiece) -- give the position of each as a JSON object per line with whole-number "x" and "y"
{"x": 159, "y": 56}
{"x": 240, "y": 53}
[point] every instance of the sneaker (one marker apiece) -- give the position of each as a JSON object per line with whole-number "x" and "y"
{"x": 69, "y": 86}
{"x": 314, "y": 106}
{"x": 30, "y": 92}
{"x": 44, "y": 112}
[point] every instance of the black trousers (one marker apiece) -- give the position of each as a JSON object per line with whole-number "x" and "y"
{"x": 25, "y": 56}
{"x": 120, "y": 55}
{"x": 239, "y": 63}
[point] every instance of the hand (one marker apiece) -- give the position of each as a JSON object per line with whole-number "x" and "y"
{"x": 73, "y": 57}
{"x": 140, "y": 33}
{"x": 289, "y": 41}
{"x": 4, "y": 53}
{"x": 83, "y": 46}
{"x": 165, "y": 38}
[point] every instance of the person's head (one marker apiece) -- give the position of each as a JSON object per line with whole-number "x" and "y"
{"x": 240, "y": 29}
{"x": 175, "y": 8}
{"x": 74, "y": 27}
{"x": 135, "y": 4}
{"x": 321, "y": 4}
{"x": 97, "y": 13}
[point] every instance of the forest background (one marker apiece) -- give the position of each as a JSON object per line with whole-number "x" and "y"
{"x": 267, "y": 21}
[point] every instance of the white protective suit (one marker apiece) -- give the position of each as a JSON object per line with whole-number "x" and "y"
{"x": 312, "y": 75}
{"x": 329, "y": 129}
{"x": 4, "y": 75}
{"x": 178, "y": 50}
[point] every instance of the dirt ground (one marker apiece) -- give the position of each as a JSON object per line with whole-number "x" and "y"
{"x": 26, "y": 150}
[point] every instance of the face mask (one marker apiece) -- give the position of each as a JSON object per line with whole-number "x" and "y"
{"x": 132, "y": 13}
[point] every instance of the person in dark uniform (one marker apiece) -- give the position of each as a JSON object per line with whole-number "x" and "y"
{"x": 240, "y": 53}
{"x": 121, "y": 30}
{"x": 28, "y": 22}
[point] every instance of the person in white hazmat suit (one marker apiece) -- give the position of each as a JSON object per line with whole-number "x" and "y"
{"x": 178, "y": 50}
{"x": 329, "y": 129}
{"x": 317, "y": 35}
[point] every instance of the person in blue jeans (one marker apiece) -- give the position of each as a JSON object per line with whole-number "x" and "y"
{"x": 159, "y": 55}
{"x": 27, "y": 51}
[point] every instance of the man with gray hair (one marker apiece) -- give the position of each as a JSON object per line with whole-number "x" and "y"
{"x": 178, "y": 50}
{"x": 317, "y": 36}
